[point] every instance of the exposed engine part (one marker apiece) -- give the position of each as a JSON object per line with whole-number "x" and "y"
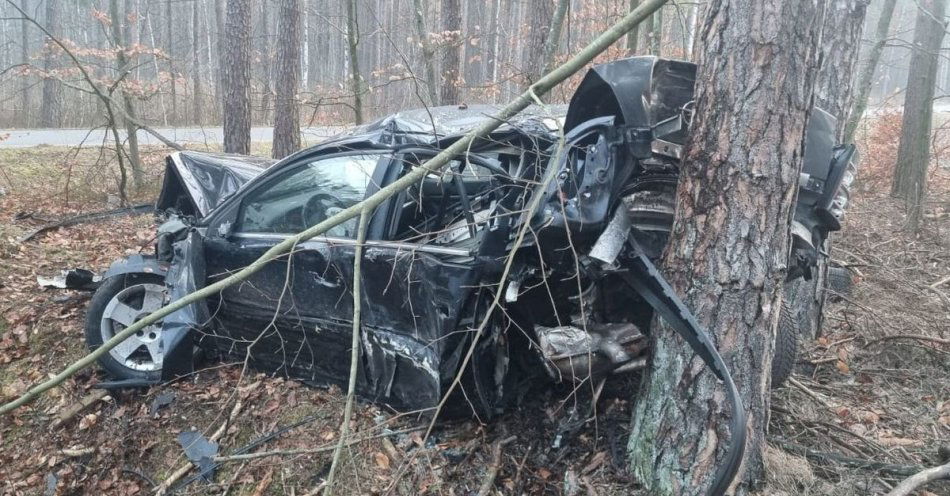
{"x": 573, "y": 354}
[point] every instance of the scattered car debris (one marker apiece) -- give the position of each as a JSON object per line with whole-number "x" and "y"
{"x": 200, "y": 451}
{"x": 82, "y": 279}
{"x": 161, "y": 401}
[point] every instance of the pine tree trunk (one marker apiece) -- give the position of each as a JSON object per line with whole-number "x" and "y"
{"x": 866, "y": 78}
{"x": 236, "y": 78}
{"x": 355, "y": 76}
{"x": 451, "y": 59}
{"x": 728, "y": 250}
{"x": 286, "y": 112}
{"x": 51, "y": 107}
{"x": 843, "y": 25}
{"x": 913, "y": 153}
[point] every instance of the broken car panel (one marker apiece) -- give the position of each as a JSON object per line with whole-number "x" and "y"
{"x": 582, "y": 289}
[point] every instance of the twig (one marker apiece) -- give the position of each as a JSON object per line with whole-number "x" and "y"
{"x": 916, "y": 337}
{"x": 847, "y": 461}
{"x": 182, "y": 470}
{"x": 921, "y": 478}
{"x": 90, "y": 217}
{"x": 489, "y": 481}
{"x": 793, "y": 381}
{"x": 308, "y": 451}
{"x": 354, "y": 346}
{"x": 941, "y": 281}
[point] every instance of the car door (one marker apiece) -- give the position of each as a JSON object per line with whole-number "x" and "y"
{"x": 293, "y": 316}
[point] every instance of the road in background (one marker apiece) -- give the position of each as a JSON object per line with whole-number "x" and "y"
{"x": 20, "y": 138}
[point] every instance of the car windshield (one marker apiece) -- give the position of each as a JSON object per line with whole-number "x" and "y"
{"x": 309, "y": 194}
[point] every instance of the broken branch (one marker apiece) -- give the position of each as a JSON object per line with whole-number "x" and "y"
{"x": 495, "y": 466}
{"x": 543, "y": 85}
{"x": 921, "y": 478}
{"x": 847, "y": 461}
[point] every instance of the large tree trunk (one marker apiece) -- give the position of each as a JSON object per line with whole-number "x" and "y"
{"x": 451, "y": 60}
{"x": 840, "y": 40}
{"x": 539, "y": 20}
{"x": 286, "y": 112}
{"x": 913, "y": 154}
{"x": 236, "y": 78}
{"x": 51, "y": 107}
{"x": 428, "y": 57}
{"x": 729, "y": 246}
{"x": 866, "y": 78}
{"x": 356, "y": 78}
{"x": 122, "y": 66}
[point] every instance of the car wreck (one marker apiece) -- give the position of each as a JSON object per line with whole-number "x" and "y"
{"x": 576, "y": 304}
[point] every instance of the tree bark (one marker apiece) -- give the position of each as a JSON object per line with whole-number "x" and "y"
{"x": 266, "y": 67}
{"x": 913, "y": 153}
{"x": 451, "y": 60}
{"x": 195, "y": 61}
{"x": 428, "y": 58}
{"x": 729, "y": 246}
{"x": 51, "y": 107}
{"x": 122, "y": 66}
{"x": 842, "y": 27}
{"x": 866, "y": 78}
{"x": 540, "y": 19}
{"x": 553, "y": 40}
{"x": 356, "y": 78}
{"x": 236, "y": 78}
{"x": 633, "y": 37}
{"x": 286, "y": 111}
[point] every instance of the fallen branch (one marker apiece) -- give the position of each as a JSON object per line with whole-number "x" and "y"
{"x": 86, "y": 401}
{"x": 805, "y": 389}
{"x": 921, "y": 478}
{"x": 941, "y": 281}
{"x": 553, "y": 78}
{"x": 489, "y": 481}
{"x": 90, "y": 217}
{"x": 916, "y": 337}
{"x": 847, "y": 461}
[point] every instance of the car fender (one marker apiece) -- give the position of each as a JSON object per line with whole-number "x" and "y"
{"x": 136, "y": 264}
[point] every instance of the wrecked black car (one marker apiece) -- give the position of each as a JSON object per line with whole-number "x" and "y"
{"x": 577, "y": 302}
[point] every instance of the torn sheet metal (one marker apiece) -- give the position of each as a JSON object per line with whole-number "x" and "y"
{"x": 196, "y": 182}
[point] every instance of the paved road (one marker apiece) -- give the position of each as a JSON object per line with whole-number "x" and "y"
{"x": 19, "y": 138}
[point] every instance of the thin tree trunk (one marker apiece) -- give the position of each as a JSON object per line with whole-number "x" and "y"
{"x": 236, "y": 78}
{"x": 647, "y": 34}
{"x": 913, "y": 153}
{"x": 267, "y": 67}
{"x": 633, "y": 37}
{"x": 428, "y": 55}
{"x": 540, "y": 20}
{"x": 491, "y": 62}
{"x": 169, "y": 46}
{"x": 553, "y": 40}
{"x": 656, "y": 37}
{"x": 195, "y": 62}
{"x": 26, "y": 110}
{"x": 355, "y": 77}
{"x": 730, "y": 239}
{"x": 451, "y": 60}
{"x": 866, "y": 79}
{"x": 286, "y": 112}
{"x": 122, "y": 66}
{"x": 51, "y": 107}
{"x": 219, "y": 37}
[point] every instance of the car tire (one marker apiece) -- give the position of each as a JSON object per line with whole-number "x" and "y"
{"x": 96, "y": 331}
{"x": 839, "y": 281}
{"x": 787, "y": 337}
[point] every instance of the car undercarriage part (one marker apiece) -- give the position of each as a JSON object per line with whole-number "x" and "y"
{"x": 576, "y": 353}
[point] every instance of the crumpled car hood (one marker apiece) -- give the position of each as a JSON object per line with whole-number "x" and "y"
{"x": 196, "y": 182}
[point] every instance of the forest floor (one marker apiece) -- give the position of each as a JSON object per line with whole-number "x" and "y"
{"x": 873, "y": 387}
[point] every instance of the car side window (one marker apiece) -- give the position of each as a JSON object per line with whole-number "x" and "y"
{"x": 309, "y": 194}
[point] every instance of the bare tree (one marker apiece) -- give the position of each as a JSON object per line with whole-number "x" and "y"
{"x": 356, "y": 77}
{"x": 195, "y": 61}
{"x": 554, "y": 36}
{"x": 122, "y": 69}
{"x": 728, "y": 248}
{"x": 169, "y": 49}
{"x": 866, "y": 79}
{"x": 236, "y": 78}
{"x": 286, "y": 111}
{"x": 913, "y": 153}
{"x": 25, "y": 83}
{"x": 428, "y": 54}
{"x": 451, "y": 60}
{"x": 51, "y": 106}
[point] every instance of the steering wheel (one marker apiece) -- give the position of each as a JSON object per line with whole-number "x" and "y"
{"x": 320, "y": 208}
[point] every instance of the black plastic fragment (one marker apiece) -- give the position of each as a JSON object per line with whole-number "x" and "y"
{"x": 200, "y": 451}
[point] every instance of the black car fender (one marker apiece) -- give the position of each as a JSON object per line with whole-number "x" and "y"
{"x": 136, "y": 264}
